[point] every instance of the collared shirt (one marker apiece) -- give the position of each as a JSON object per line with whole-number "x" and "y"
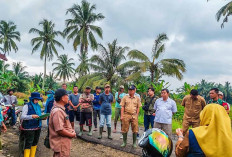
{"x": 86, "y": 102}
{"x": 193, "y": 107}
{"x": 130, "y": 104}
{"x": 151, "y": 105}
{"x": 10, "y": 100}
{"x": 59, "y": 121}
{"x": 117, "y": 105}
{"x": 106, "y": 100}
{"x": 221, "y": 102}
{"x": 164, "y": 110}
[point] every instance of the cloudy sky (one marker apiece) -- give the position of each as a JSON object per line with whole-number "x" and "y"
{"x": 194, "y": 34}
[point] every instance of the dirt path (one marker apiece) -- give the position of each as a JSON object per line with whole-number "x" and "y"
{"x": 79, "y": 147}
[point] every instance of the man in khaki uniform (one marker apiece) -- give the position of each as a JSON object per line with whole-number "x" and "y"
{"x": 60, "y": 129}
{"x": 193, "y": 104}
{"x": 129, "y": 115}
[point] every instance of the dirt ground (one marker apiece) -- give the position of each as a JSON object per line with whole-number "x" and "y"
{"x": 79, "y": 147}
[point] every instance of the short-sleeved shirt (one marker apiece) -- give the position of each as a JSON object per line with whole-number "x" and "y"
{"x": 117, "y": 105}
{"x": 193, "y": 107}
{"x": 59, "y": 121}
{"x": 151, "y": 102}
{"x": 86, "y": 102}
{"x": 222, "y": 103}
{"x": 106, "y": 101}
{"x": 75, "y": 100}
{"x": 164, "y": 110}
{"x": 130, "y": 104}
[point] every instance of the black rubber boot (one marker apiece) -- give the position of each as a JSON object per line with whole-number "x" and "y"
{"x": 100, "y": 133}
{"x": 109, "y": 133}
{"x": 124, "y": 139}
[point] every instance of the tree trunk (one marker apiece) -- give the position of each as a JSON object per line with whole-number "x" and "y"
{"x": 45, "y": 59}
{"x": 152, "y": 76}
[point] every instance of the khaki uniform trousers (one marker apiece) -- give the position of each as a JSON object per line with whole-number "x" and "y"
{"x": 188, "y": 123}
{"x": 127, "y": 120}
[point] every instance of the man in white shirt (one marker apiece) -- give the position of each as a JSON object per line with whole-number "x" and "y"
{"x": 165, "y": 108}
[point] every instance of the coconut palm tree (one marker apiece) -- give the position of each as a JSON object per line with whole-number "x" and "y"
{"x": 80, "y": 27}
{"x": 64, "y": 67}
{"x": 225, "y": 11}
{"x": 83, "y": 67}
{"x": 157, "y": 67}
{"x": 8, "y": 35}
{"x": 3, "y": 67}
{"x": 19, "y": 70}
{"x": 107, "y": 63}
{"x": 46, "y": 40}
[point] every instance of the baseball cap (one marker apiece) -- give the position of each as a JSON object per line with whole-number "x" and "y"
{"x": 87, "y": 87}
{"x": 107, "y": 85}
{"x": 98, "y": 87}
{"x": 132, "y": 87}
{"x": 122, "y": 86}
{"x": 220, "y": 93}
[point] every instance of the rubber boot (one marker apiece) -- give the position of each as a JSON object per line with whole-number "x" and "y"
{"x": 134, "y": 140}
{"x": 109, "y": 133}
{"x": 81, "y": 131}
{"x": 90, "y": 131}
{"x": 33, "y": 151}
{"x": 124, "y": 139}
{"x": 27, "y": 152}
{"x": 100, "y": 133}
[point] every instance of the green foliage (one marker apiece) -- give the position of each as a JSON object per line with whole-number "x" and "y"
{"x": 157, "y": 68}
{"x": 64, "y": 67}
{"x": 225, "y": 11}
{"x": 46, "y": 40}
{"x": 80, "y": 27}
{"x": 8, "y": 35}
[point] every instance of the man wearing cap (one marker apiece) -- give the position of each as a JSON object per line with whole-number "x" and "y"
{"x": 61, "y": 131}
{"x": 129, "y": 115}
{"x": 214, "y": 96}
{"x": 30, "y": 126}
{"x": 193, "y": 105}
{"x": 10, "y": 99}
{"x": 105, "y": 100}
{"x": 225, "y": 104}
{"x": 96, "y": 106}
{"x": 86, "y": 103}
{"x": 118, "y": 97}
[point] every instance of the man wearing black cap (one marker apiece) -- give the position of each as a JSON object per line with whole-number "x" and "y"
{"x": 10, "y": 99}
{"x": 61, "y": 131}
{"x": 193, "y": 105}
{"x": 86, "y": 103}
{"x": 96, "y": 107}
{"x": 129, "y": 115}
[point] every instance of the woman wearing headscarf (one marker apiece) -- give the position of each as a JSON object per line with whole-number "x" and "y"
{"x": 30, "y": 125}
{"x": 213, "y": 138}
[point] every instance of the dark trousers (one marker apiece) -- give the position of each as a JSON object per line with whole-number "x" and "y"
{"x": 96, "y": 113}
{"x": 28, "y": 138}
{"x": 11, "y": 113}
{"x": 148, "y": 119}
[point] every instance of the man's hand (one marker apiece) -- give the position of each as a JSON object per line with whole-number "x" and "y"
{"x": 45, "y": 118}
{"x": 13, "y": 105}
{"x": 153, "y": 114}
{"x": 122, "y": 117}
{"x": 74, "y": 135}
{"x": 34, "y": 116}
{"x": 179, "y": 132}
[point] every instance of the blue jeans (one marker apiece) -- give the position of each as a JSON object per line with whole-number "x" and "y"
{"x": 11, "y": 113}
{"x": 148, "y": 119}
{"x": 103, "y": 118}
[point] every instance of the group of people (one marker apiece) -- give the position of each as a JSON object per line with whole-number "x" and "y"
{"x": 65, "y": 106}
